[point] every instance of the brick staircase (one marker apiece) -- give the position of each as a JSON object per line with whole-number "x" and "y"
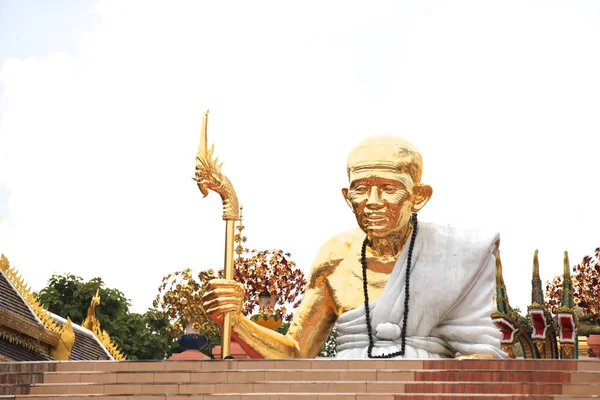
{"x": 302, "y": 380}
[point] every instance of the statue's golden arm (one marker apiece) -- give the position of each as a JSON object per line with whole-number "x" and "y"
{"x": 308, "y": 331}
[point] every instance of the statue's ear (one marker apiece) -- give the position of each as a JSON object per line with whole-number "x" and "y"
{"x": 422, "y": 195}
{"x": 345, "y": 193}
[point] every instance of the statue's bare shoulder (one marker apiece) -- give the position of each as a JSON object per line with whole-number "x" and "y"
{"x": 333, "y": 252}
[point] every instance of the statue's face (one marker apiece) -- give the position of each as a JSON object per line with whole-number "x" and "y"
{"x": 382, "y": 202}
{"x": 385, "y": 188}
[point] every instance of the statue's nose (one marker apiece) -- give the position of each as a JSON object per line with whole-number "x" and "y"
{"x": 374, "y": 199}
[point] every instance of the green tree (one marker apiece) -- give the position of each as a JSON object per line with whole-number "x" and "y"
{"x": 140, "y": 336}
{"x": 330, "y": 347}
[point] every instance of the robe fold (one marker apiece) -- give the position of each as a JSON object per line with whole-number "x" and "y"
{"x": 452, "y": 284}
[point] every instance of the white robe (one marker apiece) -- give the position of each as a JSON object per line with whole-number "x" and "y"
{"x": 452, "y": 283}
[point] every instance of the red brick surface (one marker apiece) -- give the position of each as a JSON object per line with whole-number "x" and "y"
{"x": 303, "y": 379}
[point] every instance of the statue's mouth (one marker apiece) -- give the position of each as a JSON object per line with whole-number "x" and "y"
{"x": 376, "y": 219}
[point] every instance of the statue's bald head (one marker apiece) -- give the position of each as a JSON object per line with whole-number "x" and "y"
{"x": 388, "y": 154}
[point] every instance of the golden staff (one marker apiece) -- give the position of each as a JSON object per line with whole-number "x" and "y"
{"x": 210, "y": 177}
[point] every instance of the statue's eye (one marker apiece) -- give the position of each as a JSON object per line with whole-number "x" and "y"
{"x": 361, "y": 189}
{"x": 390, "y": 189}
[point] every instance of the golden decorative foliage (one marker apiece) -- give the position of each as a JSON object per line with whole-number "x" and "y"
{"x": 267, "y": 273}
{"x": 180, "y": 298}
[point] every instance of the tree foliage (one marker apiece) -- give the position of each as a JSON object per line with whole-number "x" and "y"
{"x": 140, "y": 336}
{"x": 329, "y": 349}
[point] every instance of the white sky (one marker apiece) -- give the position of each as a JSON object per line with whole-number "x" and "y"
{"x": 97, "y": 144}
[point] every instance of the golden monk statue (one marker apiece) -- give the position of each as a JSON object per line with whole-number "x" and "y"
{"x": 395, "y": 287}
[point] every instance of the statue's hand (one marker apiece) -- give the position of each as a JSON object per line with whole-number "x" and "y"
{"x": 222, "y": 297}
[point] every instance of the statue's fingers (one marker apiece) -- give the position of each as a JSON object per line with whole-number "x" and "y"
{"x": 224, "y": 290}
{"x": 220, "y": 291}
{"x": 221, "y": 283}
{"x": 223, "y": 309}
{"x": 217, "y": 282}
{"x": 222, "y": 301}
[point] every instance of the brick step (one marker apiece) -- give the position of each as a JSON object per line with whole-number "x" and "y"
{"x": 244, "y": 365}
{"x": 305, "y": 396}
{"x": 226, "y": 376}
{"x": 14, "y": 388}
{"x": 545, "y": 388}
{"x": 314, "y": 379}
{"x": 513, "y": 365}
{"x": 415, "y": 381}
{"x": 300, "y": 375}
{"x": 322, "y": 375}
{"x": 21, "y": 377}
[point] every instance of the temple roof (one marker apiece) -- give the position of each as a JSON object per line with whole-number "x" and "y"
{"x": 28, "y": 332}
{"x": 12, "y": 301}
{"x": 15, "y": 352}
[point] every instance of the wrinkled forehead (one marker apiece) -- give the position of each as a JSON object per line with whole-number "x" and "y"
{"x": 372, "y": 174}
{"x": 388, "y": 157}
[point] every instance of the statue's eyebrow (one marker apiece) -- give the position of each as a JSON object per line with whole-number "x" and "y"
{"x": 354, "y": 184}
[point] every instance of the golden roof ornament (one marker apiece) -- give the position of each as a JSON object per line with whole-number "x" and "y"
{"x": 66, "y": 341}
{"x": 90, "y": 322}
{"x": 93, "y": 324}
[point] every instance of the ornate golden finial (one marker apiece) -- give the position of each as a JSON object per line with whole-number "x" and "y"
{"x": 567, "y": 294}
{"x": 499, "y": 278}
{"x": 90, "y": 322}
{"x": 62, "y": 351}
{"x": 93, "y": 324}
{"x": 502, "y": 303}
{"x": 567, "y": 319}
{"x": 537, "y": 295}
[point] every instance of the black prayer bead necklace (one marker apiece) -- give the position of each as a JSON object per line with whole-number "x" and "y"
{"x": 407, "y": 280}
